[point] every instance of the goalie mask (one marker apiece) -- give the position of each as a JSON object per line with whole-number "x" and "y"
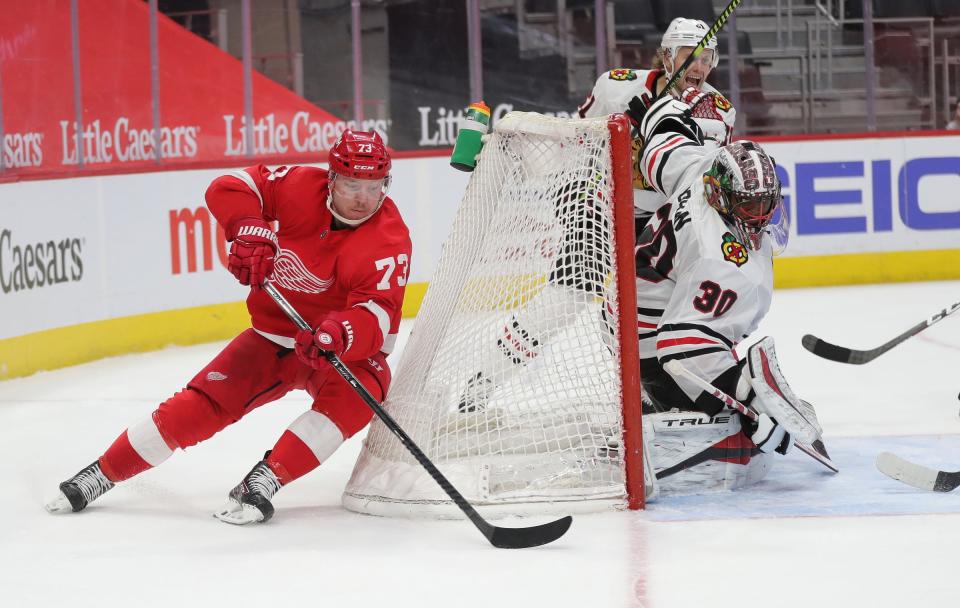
{"x": 358, "y": 156}
{"x": 742, "y": 185}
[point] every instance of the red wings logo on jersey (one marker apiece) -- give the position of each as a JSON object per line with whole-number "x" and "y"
{"x": 733, "y": 250}
{"x": 290, "y": 272}
{"x": 622, "y": 74}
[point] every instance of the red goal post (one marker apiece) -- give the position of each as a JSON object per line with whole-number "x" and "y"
{"x": 520, "y": 379}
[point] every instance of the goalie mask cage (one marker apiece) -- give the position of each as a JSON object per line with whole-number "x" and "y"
{"x": 520, "y": 379}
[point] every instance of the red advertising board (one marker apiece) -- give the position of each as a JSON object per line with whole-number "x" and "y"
{"x": 200, "y": 93}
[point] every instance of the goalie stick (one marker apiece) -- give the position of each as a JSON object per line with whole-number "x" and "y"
{"x": 504, "y": 538}
{"x": 815, "y": 450}
{"x": 840, "y": 354}
{"x": 916, "y": 475}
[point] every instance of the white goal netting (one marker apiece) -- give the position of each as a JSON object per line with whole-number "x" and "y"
{"x": 511, "y": 379}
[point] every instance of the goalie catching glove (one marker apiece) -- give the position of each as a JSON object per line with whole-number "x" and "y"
{"x": 669, "y": 115}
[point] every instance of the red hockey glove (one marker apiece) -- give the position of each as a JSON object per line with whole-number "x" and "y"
{"x": 693, "y": 96}
{"x": 252, "y": 252}
{"x": 329, "y": 336}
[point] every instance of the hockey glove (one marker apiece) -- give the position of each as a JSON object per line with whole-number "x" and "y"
{"x": 252, "y": 252}
{"x": 692, "y": 96}
{"x": 330, "y": 336}
{"x": 669, "y": 115}
{"x": 637, "y": 109}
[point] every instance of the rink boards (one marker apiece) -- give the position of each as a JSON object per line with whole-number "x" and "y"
{"x": 104, "y": 265}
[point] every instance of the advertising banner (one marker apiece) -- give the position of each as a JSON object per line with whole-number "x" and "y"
{"x": 201, "y": 100}
{"x": 94, "y": 249}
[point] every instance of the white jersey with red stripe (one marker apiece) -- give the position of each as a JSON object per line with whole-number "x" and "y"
{"x": 612, "y": 93}
{"x": 699, "y": 289}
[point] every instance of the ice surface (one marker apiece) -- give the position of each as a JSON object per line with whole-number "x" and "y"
{"x": 802, "y": 537}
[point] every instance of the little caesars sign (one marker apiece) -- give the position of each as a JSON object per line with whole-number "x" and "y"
{"x": 439, "y": 126}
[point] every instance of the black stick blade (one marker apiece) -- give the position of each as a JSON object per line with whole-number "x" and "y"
{"x": 534, "y": 536}
{"x": 822, "y": 348}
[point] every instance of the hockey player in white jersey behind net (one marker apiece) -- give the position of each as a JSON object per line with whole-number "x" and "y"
{"x": 581, "y": 268}
{"x": 614, "y": 91}
{"x": 704, "y": 283}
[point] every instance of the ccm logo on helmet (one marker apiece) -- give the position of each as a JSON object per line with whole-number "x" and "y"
{"x": 364, "y": 167}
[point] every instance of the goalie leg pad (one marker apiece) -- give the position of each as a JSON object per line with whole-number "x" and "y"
{"x": 775, "y": 398}
{"x": 694, "y": 453}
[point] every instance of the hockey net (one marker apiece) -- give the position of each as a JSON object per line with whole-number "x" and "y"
{"x": 516, "y": 375}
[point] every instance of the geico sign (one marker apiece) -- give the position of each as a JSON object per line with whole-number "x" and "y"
{"x": 35, "y": 265}
{"x": 186, "y": 226}
{"x": 872, "y": 196}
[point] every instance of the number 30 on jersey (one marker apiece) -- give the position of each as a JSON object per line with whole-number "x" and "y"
{"x": 389, "y": 266}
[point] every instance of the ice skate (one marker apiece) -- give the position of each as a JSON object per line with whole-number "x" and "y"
{"x": 249, "y": 502}
{"x": 80, "y": 490}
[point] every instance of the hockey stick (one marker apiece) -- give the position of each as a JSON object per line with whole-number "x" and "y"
{"x": 504, "y": 538}
{"x": 713, "y": 31}
{"x": 815, "y": 450}
{"x": 824, "y": 349}
{"x": 915, "y": 475}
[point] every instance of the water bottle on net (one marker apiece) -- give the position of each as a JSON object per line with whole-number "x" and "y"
{"x": 473, "y": 126}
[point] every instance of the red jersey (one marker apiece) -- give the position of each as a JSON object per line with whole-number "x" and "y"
{"x": 356, "y": 275}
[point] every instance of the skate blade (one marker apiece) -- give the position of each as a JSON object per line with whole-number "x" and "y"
{"x": 239, "y": 515}
{"x": 60, "y": 504}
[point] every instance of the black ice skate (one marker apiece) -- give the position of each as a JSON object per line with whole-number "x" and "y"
{"x": 249, "y": 502}
{"x": 80, "y": 490}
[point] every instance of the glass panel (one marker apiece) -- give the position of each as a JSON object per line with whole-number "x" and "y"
{"x": 37, "y": 88}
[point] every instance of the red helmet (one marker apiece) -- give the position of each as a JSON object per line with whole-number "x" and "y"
{"x": 360, "y": 155}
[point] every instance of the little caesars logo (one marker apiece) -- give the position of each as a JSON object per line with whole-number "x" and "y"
{"x": 25, "y": 266}
{"x": 441, "y": 129}
{"x": 22, "y": 150}
{"x": 302, "y": 134}
{"x": 104, "y": 143}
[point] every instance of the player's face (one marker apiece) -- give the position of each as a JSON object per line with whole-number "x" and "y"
{"x": 355, "y": 199}
{"x": 756, "y": 210}
{"x": 699, "y": 69}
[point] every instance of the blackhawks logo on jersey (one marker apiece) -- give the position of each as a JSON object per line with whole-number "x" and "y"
{"x": 639, "y": 182}
{"x": 622, "y": 74}
{"x": 721, "y": 102}
{"x": 733, "y": 250}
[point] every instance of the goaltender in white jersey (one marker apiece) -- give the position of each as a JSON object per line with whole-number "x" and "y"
{"x": 704, "y": 282}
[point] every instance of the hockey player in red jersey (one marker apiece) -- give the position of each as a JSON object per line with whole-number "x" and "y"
{"x": 336, "y": 246}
